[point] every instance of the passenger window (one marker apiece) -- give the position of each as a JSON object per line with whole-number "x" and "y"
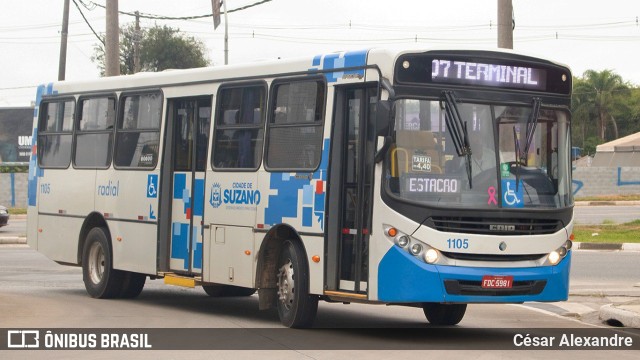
{"x": 138, "y": 132}
{"x": 94, "y": 136}
{"x": 239, "y": 128}
{"x": 295, "y": 125}
{"x": 56, "y": 133}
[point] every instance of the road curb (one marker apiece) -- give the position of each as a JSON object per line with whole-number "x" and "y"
{"x": 626, "y": 317}
{"x": 607, "y": 203}
{"x": 598, "y": 246}
{"x": 606, "y": 246}
{"x": 11, "y": 240}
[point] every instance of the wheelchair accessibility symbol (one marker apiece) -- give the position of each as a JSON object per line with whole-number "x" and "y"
{"x": 152, "y": 186}
{"x": 512, "y": 198}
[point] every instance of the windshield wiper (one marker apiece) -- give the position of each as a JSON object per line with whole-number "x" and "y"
{"x": 458, "y": 130}
{"x": 523, "y": 154}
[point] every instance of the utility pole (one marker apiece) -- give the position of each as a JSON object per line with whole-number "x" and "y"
{"x": 62, "y": 63}
{"x": 226, "y": 34}
{"x": 112, "y": 43}
{"x": 136, "y": 45}
{"x": 215, "y": 6}
{"x": 505, "y": 24}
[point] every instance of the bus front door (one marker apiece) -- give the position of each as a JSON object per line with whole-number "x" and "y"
{"x": 351, "y": 187}
{"x": 189, "y": 120}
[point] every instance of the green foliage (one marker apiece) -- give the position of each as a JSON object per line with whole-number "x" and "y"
{"x": 14, "y": 168}
{"x": 604, "y": 107}
{"x": 589, "y": 145}
{"x": 161, "y": 48}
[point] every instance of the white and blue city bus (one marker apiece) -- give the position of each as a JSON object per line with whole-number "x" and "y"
{"x": 421, "y": 178}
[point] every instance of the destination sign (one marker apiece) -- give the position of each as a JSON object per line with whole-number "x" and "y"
{"x": 430, "y": 184}
{"x": 476, "y": 73}
{"x": 480, "y": 69}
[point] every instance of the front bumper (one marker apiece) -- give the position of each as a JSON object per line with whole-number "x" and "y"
{"x": 403, "y": 278}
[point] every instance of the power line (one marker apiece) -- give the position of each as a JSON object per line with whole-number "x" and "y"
{"x": 87, "y": 21}
{"x": 162, "y": 17}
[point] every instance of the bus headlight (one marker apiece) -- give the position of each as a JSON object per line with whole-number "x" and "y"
{"x": 403, "y": 241}
{"x": 431, "y": 256}
{"x": 559, "y": 253}
{"x": 416, "y": 249}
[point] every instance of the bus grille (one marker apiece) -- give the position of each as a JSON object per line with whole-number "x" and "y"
{"x": 492, "y": 257}
{"x": 463, "y": 287}
{"x": 489, "y": 226}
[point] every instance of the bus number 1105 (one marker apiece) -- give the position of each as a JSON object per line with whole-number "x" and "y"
{"x": 458, "y": 243}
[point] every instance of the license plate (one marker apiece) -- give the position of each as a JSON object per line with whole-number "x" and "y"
{"x": 497, "y": 282}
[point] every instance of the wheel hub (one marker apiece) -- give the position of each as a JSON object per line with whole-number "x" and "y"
{"x": 286, "y": 284}
{"x": 96, "y": 263}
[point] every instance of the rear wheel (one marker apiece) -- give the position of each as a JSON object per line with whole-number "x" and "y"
{"x": 100, "y": 279}
{"x": 444, "y": 314}
{"x": 132, "y": 285}
{"x": 296, "y": 307}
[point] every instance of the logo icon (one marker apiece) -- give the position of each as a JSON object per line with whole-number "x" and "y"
{"x": 513, "y": 198}
{"x": 152, "y": 186}
{"x": 216, "y": 195}
{"x": 23, "y": 339}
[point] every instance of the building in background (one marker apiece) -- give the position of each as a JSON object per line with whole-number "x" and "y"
{"x": 15, "y": 135}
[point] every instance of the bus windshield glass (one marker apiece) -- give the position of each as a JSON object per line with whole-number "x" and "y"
{"x": 424, "y": 167}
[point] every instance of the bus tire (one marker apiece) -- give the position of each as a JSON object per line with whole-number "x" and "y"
{"x": 132, "y": 285}
{"x": 296, "y": 307}
{"x": 100, "y": 279}
{"x": 218, "y": 290}
{"x": 444, "y": 314}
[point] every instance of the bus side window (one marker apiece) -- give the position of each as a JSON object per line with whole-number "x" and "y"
{"x": 295, "y": 126}
{"x": 239, "y": 127}
{"x": 55, "y": 138}
{"x": 138, "y": 131}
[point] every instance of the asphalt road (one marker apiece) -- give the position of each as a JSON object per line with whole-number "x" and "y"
{"x": 38, "y": 293}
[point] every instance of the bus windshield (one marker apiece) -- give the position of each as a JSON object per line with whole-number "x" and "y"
{"x": 511, "y": 158}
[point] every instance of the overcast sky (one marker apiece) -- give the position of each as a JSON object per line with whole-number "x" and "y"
{"x": 584, "y": 34}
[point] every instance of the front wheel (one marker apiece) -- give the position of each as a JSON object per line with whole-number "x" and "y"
{"x": 444, "y": 314}
{"x": 296, "y": 307}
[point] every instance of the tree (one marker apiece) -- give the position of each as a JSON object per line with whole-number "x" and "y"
{"x": 599, "y": 95}
{"x": 161, "y": 48}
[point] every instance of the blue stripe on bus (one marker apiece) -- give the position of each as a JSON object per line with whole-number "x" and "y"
{"x": 344, "y": 60}
{"x": 179, "y": 184}
{"x": 198, "y": 198}
{"x": 34, "y": 170}
{"x": 289, "y": 188}
{"x": 403, "y": 278}
{"x": 340, "y": 61}
{"x": 179, "y": 243}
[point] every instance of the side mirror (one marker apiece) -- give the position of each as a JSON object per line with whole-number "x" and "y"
{"x": 383, "y": 117}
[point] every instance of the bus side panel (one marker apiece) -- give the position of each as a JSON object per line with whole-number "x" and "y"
{"x": 229, "y": 255}
{"x": 65, "y": 198}
{"x": 314, "y": 246}
{"x": 57, "y": 241}
{"x": 129, "y": 201}
{"x": 134, "y": 246}
{"x": 67, "y": 192}
{"x": 231, "y": 200}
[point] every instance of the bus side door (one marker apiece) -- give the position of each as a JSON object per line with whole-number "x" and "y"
{"x": 189, "y": 120}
